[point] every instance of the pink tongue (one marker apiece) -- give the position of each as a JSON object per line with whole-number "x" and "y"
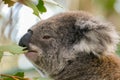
{"x": 31, "y": 55}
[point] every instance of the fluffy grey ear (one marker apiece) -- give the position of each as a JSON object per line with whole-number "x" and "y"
{"x": 95, "y": 36}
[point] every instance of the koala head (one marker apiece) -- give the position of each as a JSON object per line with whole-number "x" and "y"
{"x": 55, "y": 42}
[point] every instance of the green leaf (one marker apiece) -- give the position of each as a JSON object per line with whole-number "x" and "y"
{"x": 9, "y": 2}
{"x": 118, "y": 49}
{"x": 14, "y": 49}
{"x": 7, "y": 78}
{"x": 106, "y": 5}
{"x": 37, "y": 9}
{"x": 17, "y": 76}
{"x": 41, "y": 6}
{"x": 1, "y": 54}
{"x": 20, "y": 74}
{"x": 31, "y": 5}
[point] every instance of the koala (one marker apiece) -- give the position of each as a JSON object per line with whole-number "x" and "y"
{"x": 73, "y": 46}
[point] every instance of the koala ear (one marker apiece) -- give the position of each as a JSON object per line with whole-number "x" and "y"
{"x": 95, "y": 36}
{"x": 85, "y": 25}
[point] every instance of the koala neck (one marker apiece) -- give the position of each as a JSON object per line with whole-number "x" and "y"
{"x": 87, "y": 66}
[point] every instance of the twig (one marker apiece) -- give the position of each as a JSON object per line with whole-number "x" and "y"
{"x": 13, "y": 77}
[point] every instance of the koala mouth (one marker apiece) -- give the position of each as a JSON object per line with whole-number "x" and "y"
{"x": 25, "y": 49}
{"x": 30, "y": 54}
{"x": 28, "y": 50}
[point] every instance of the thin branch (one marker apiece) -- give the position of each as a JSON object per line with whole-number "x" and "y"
{"x": 13, "y": 77}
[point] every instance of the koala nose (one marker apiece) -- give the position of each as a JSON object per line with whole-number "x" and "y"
{"x": 24, "y": 41}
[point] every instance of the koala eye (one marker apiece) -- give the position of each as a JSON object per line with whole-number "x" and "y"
{"x": 46, "y": 37}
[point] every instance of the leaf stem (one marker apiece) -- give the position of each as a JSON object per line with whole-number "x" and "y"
{"x": 13, "y": 77}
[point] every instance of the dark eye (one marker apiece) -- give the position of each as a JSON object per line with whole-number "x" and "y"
{"x": 46, "y": 37}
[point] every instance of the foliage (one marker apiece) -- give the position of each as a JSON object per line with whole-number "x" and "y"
{"x": 106, "y": 5}
{"x": 17, "y": 76}
{"x": 1, "y": 54}
{"x": 9, "y": 2}
{"x": 39, "y": 8}
{"x": 13, "y": 48}
{"x": 118, "y": 49}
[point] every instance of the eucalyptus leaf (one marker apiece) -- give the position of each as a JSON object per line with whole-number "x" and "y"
{"x": 41, "y": 6}
{"x": 118, "y": 49}
{"x": 9, "y": 2}
{"x": 20, "y": 74}
{"x": 1, "y": 54}
{"x": 14, "y": 49}
{"x": 16, "y": 76}
{"x": 30, "y": 4}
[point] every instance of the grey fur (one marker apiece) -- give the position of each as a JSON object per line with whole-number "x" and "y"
{"x": 75, "y": 46}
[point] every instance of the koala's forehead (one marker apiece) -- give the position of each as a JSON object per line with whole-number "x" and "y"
{"x": 59, "y": 20}
{"x": 43, "y": 25}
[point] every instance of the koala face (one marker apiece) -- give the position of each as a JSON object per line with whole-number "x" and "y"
{"x": 54, "y": 43}
{"x": 49, "y": 43}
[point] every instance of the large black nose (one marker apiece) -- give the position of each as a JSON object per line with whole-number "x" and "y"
{"x": 24, "y": 41}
